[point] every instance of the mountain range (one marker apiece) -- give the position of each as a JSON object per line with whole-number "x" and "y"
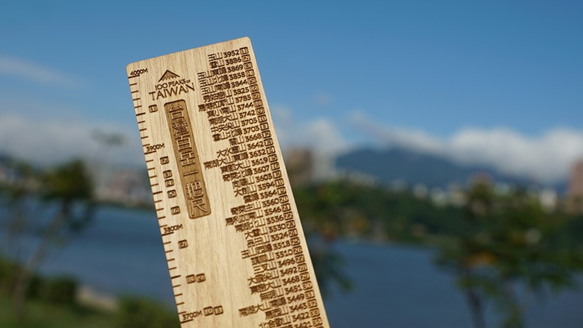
{"x": 400, "y": 164}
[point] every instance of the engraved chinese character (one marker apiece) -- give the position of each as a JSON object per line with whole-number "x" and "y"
{"x": 180, "y": 126}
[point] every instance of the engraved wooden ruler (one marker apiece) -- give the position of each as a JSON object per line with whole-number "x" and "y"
{"x": 235, "y": 248}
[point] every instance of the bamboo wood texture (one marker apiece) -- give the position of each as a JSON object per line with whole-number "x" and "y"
{"x": 236, "y": 251}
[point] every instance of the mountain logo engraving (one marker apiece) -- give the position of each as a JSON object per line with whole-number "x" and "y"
{"x": 168, "y": 75}
{"x": 170, "y": 85}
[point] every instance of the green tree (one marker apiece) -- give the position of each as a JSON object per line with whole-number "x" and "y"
{"x": 320, "y": 209}
{"x": 65, "y": 196}
{"x": 15, "y": 193}
{"x": 503, "y": 241}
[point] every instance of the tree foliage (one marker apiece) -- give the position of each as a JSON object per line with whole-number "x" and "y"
{"x": 63, "y": 203}
{"x": 493, "y": 244}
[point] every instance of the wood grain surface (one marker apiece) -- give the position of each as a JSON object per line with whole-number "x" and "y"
{"x": 236, "y": 251}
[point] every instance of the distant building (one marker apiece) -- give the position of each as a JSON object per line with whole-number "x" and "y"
{"x": 576, "y": 180}
{"x": 456, "y": 195}
{"x": 575, "y": 191}
{"x": 324, "y": 166}
{"x": 126, "y": 186}
{"x": 420, "y": 191}
{"x": 438, "y": 196}
{"x": 548, "y": 199}
{"x": 299, "y": 163}
{"x": 357, "y": 177}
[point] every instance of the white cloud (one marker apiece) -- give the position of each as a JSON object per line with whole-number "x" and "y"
{"x": 54, "y": 141}
{"x": 321, "y": 135}
{"x": 546, "y": 158}
{"x": 324, "y": 137}
{"x": 34, "y": 72}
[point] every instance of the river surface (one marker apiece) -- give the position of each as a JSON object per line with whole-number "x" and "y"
{"x": 121, "y": 253}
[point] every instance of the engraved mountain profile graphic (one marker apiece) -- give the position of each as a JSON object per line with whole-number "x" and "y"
{"x": 168, "y": 75}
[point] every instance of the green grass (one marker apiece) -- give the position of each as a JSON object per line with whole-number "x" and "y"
{"x": 43, "y": 315}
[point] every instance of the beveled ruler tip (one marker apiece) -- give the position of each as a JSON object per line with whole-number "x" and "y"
{"x": 235, "y": 248}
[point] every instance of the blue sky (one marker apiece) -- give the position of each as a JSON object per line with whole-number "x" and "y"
{"x": 352, "y": 73}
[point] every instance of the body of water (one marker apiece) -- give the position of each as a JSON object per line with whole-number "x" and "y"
{"x": 121, "y": 252}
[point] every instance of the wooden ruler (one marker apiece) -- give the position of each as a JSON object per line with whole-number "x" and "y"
{"x": 235, "y": 248}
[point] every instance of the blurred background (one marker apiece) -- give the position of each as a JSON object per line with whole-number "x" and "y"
{"x": 435, "y": 149}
